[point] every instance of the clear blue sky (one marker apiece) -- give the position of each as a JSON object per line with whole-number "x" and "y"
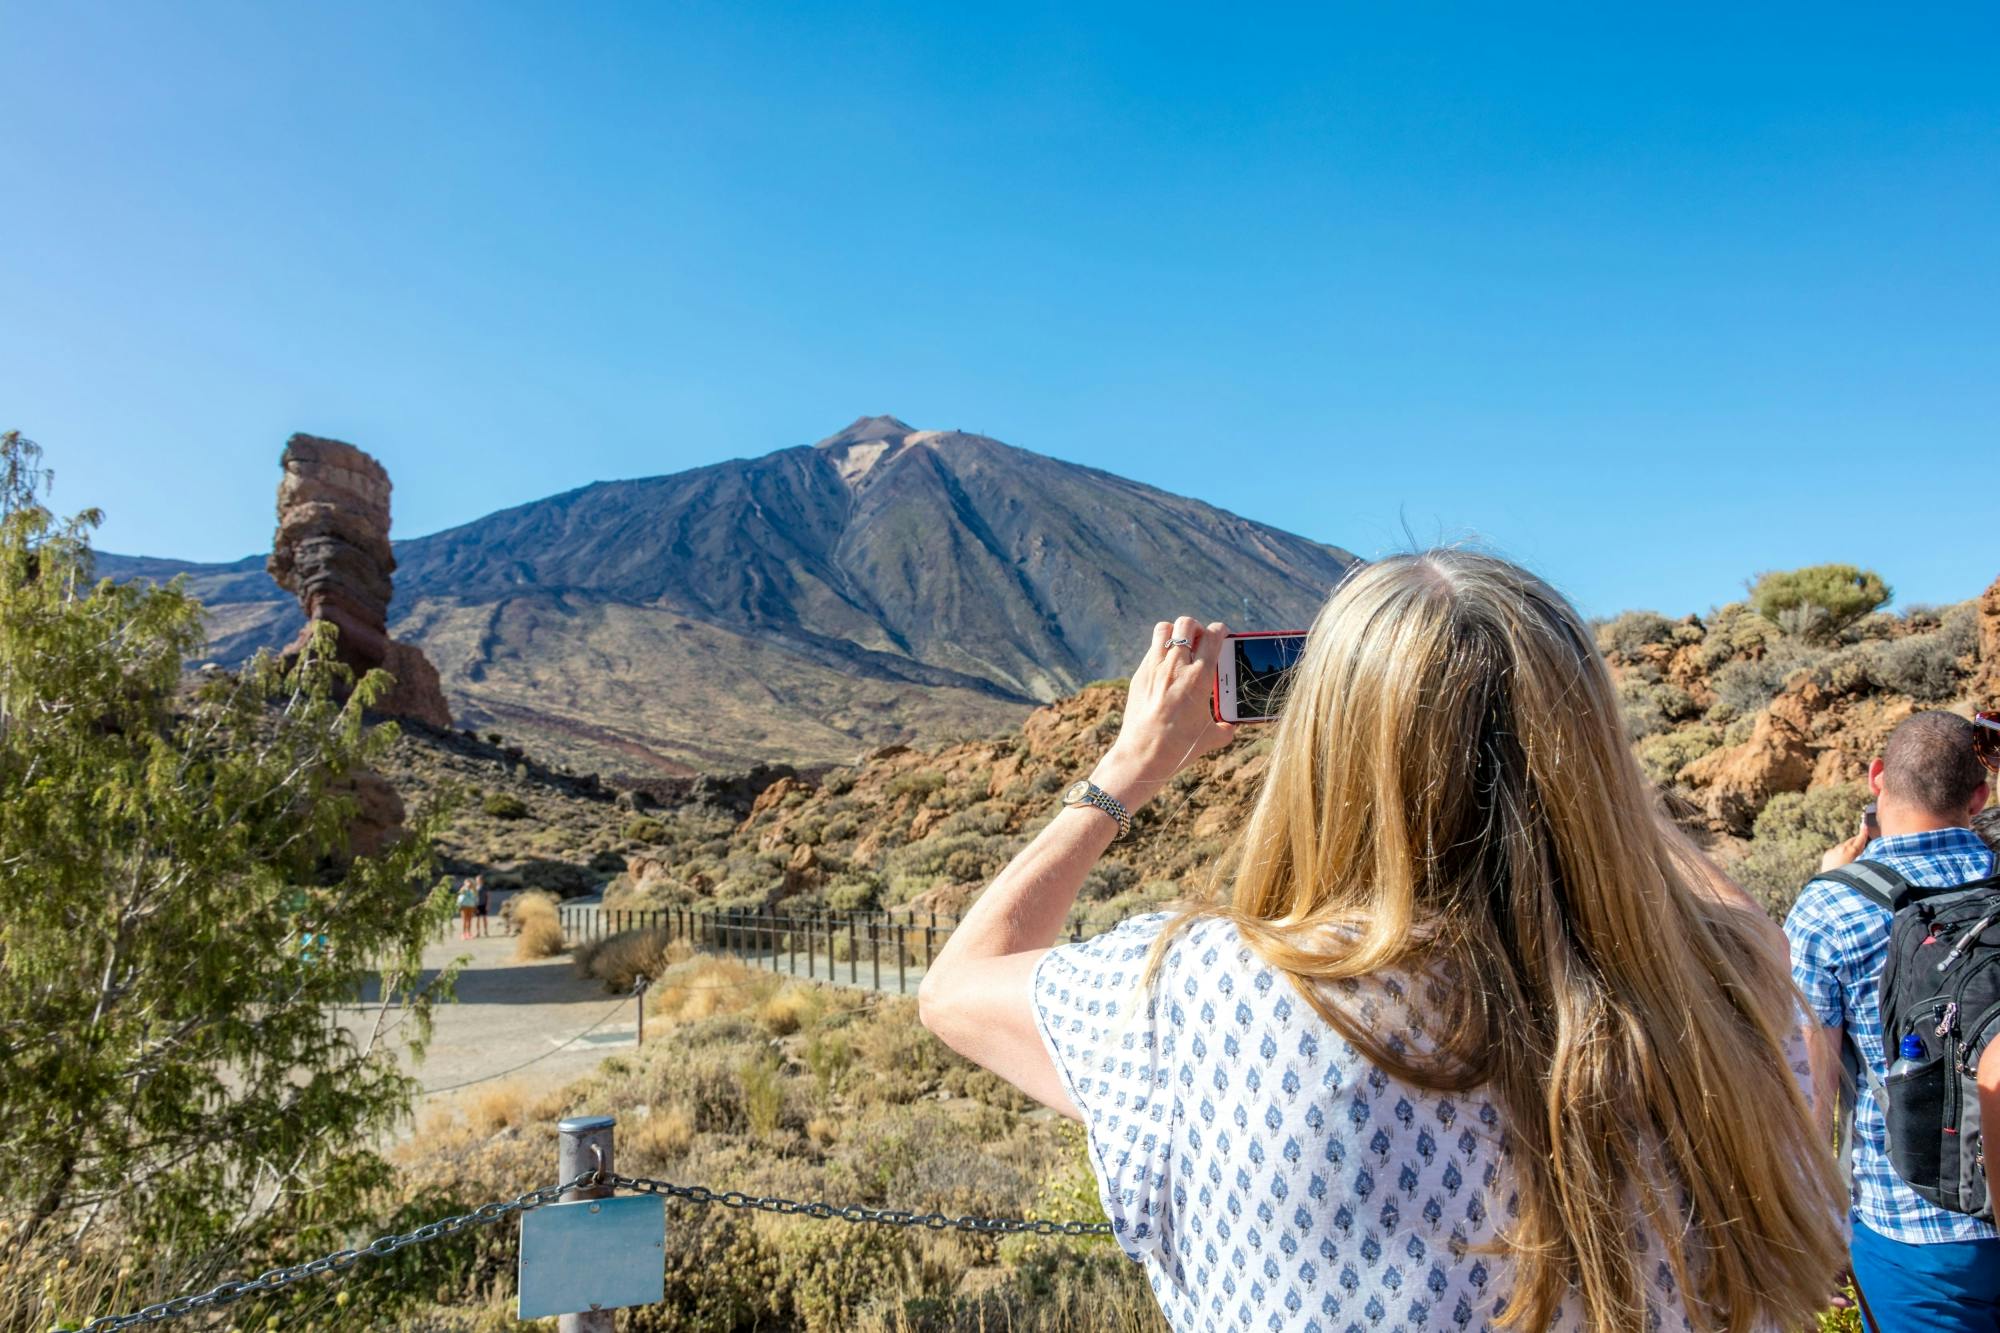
{"x": 1650, "y": 297}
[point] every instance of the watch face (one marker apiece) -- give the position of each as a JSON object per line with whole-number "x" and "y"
{"x": 1076, "y": 792}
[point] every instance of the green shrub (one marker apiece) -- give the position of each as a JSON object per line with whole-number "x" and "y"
{"x": 855, "y": 891}
{"x": 505, "y": 805}
{"x": 1651, "y": 705}
{"x": 1819, "y": 601}
{"x": 1665, "y": 755}
{"x": 838, "y": 783}
{"x": 1632, "y": 631}
{"x": 921, "y": 783}
{"x": 646, "y": 829}
{"x": 1790, "y": 836}
{"x": 620, "y": 960}
{"x": 1923, "y": 666}
{"x": 828, "y": 1057}
{"x": 763, "y": 1092}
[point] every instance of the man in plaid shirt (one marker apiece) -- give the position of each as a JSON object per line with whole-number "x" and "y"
{"x": 1917, "y": 1265}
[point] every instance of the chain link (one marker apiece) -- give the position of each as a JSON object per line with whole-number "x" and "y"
{"x": 884, "y": 1217}
{"x": 228, "y": 1293}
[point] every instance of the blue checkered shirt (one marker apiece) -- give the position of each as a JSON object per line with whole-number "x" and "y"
{"x": 1840, "y": 940}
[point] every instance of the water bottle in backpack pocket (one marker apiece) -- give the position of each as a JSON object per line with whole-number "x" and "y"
{"x": 1940, "y": 1003}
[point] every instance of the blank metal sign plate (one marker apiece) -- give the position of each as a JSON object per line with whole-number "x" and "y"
{"x": 595, "y": 1254}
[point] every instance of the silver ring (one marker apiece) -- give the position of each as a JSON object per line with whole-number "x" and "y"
{"x": 1180, "y": 643}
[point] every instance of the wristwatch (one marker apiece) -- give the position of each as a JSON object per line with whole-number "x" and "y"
{"x": 1085, "y": 792}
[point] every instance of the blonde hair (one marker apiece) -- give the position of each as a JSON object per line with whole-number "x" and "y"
{"x": 1450, "y": 792}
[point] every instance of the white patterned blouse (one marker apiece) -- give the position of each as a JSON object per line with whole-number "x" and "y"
{"x": 1265, "y": 1172}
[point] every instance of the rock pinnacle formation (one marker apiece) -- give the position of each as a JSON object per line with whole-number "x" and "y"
{"x": 332, "y": 552}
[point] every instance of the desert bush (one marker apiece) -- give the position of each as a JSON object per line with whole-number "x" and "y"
{"x": 1790, "y": 836}
{"x": 1634, "y": 630}
{"x": 535, "y": 915}
{"x": 826, "y": 1275}
{"x": 838, "y": 783}
{"x": 662, "y": 1136}
{"x": 1745, "y": 687}
{"x": 505, "y": 805}
{"x": 1651, "y": 705}
{"x": 620, "y": 960}
{"x": 921, "y": 783}
{"x": 793, "y": 1007}
{"x": 854, "y": 891}
{"x": 1108, "y": 879}
{"x": 1819, "y": 601}
{"x": 762, "y": 1090}
{"x": 828, "y": 1056}
{"x": 1050, "y": 781}
{"x": 1665, "y": 755}
{"x": 1733, "y": 632}
{"x": 646, "y": 829}
{"x": 1926, "y": 667}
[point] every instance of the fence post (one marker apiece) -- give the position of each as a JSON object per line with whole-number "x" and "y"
{"x": 585, "y": 1145}
{"x": 875, "y": 951}
{"x": 640, "y": 991}
{"x": 853, "y": 955}
{"x": 902, "y": 986}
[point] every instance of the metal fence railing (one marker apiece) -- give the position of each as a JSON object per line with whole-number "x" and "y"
{"x": 821, "y": 945}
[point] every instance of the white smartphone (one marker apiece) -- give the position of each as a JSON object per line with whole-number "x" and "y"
{"x": 1251, "y": 675}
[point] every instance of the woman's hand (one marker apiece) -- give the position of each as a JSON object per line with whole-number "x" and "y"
{"x": 1169, "y": 712}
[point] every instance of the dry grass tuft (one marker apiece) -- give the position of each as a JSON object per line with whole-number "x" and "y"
{"x": 794, "y": 1007}
{"x": 498, "y": 1106}
{"x": 707, "y": 987}
{"x": 541, "y": 926}
{"x": 620, "y": 960}
{"x": 662, "y": 1136}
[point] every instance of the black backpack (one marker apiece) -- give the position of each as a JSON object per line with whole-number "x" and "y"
{"x": 1941, "y": 982}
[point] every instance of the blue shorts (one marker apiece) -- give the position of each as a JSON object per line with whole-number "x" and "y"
{"x": 1948, "y": 1287}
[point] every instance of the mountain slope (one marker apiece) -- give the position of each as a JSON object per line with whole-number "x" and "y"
{"x": 886, "y": 584}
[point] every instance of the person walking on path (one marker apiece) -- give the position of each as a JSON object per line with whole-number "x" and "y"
{"x": 1464, "y": 1035}
{"x": 484, "y": 902}
{"x": 468, "y": 905}
{"x": 1917, "y": 1266}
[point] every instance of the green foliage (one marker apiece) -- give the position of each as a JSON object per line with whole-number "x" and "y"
{"x": 182, "y": 916}
{"x": 505, "y": 805}
{"x": 854, "y": 891}
{"x": 1634, "y": 630}
{"x": 1667, "y": 754}
{"x": 1819, "y": 601}
{"x": 1790, "y": 836}
{"x": 918, "y": 784}
{"x": 763, "y": 1093}
{"x": 644, "y": 829}
{"x": 1651, "y": 705}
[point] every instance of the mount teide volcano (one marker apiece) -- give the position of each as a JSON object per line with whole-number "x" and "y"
{"x": 886, "y": 584}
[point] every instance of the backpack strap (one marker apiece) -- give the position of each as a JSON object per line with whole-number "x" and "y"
{"x": 1874, "y": 881}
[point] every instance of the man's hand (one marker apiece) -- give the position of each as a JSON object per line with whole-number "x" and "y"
{"x": 1845, "y": 852}
{"x": 1169, "y": 713}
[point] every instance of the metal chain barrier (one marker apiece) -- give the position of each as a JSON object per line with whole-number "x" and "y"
{"x": 885, "y": 1217}
{"x": 228, "y": 1293}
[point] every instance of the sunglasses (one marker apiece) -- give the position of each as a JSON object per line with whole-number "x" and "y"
{"x": 1986, "y": 738}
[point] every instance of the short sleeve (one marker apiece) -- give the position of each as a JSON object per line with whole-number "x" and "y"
{"x": 1105, "y": 1035}
{"x": 1814, "y": 935}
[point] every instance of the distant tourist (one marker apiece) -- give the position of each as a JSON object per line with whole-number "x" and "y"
{"x": 468, "y": 907}
{"x": 1466, "y": 1033}
{"x": 1916, "y": 1265}
{"x": 484, "y": 904}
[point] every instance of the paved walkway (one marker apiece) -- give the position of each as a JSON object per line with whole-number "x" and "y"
{"x": 540, "y": 1020}
{"x": 508, "y": 1013}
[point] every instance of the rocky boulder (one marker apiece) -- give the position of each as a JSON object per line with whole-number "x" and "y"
{"x": 332, "y": 552}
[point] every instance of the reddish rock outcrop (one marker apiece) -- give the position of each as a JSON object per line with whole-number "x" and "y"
{"x": 332, "y": 551}
{"x": 1986, "y": 681}
{"x": 1735, "y": 784}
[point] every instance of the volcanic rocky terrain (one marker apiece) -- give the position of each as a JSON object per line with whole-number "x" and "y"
{"x": 887, "y": 585}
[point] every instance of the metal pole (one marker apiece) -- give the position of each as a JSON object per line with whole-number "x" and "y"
{"x": 902, "y": 987}
{"x": 640, "y": 991}
{"x": 853, "y": 955}
{"x": 585, "y": 1145}
{"x": 875, "y": 951}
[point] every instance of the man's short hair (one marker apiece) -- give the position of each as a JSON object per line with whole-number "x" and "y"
{"x": 1929, "y": 763}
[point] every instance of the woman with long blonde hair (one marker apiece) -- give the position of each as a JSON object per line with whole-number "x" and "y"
{"x": 1465, "y": 1035}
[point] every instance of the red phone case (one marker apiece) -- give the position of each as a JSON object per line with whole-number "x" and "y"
{"x": 1215, "y": 690}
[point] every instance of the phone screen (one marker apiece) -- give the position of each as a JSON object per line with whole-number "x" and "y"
{"x": 1263, "y": 669}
